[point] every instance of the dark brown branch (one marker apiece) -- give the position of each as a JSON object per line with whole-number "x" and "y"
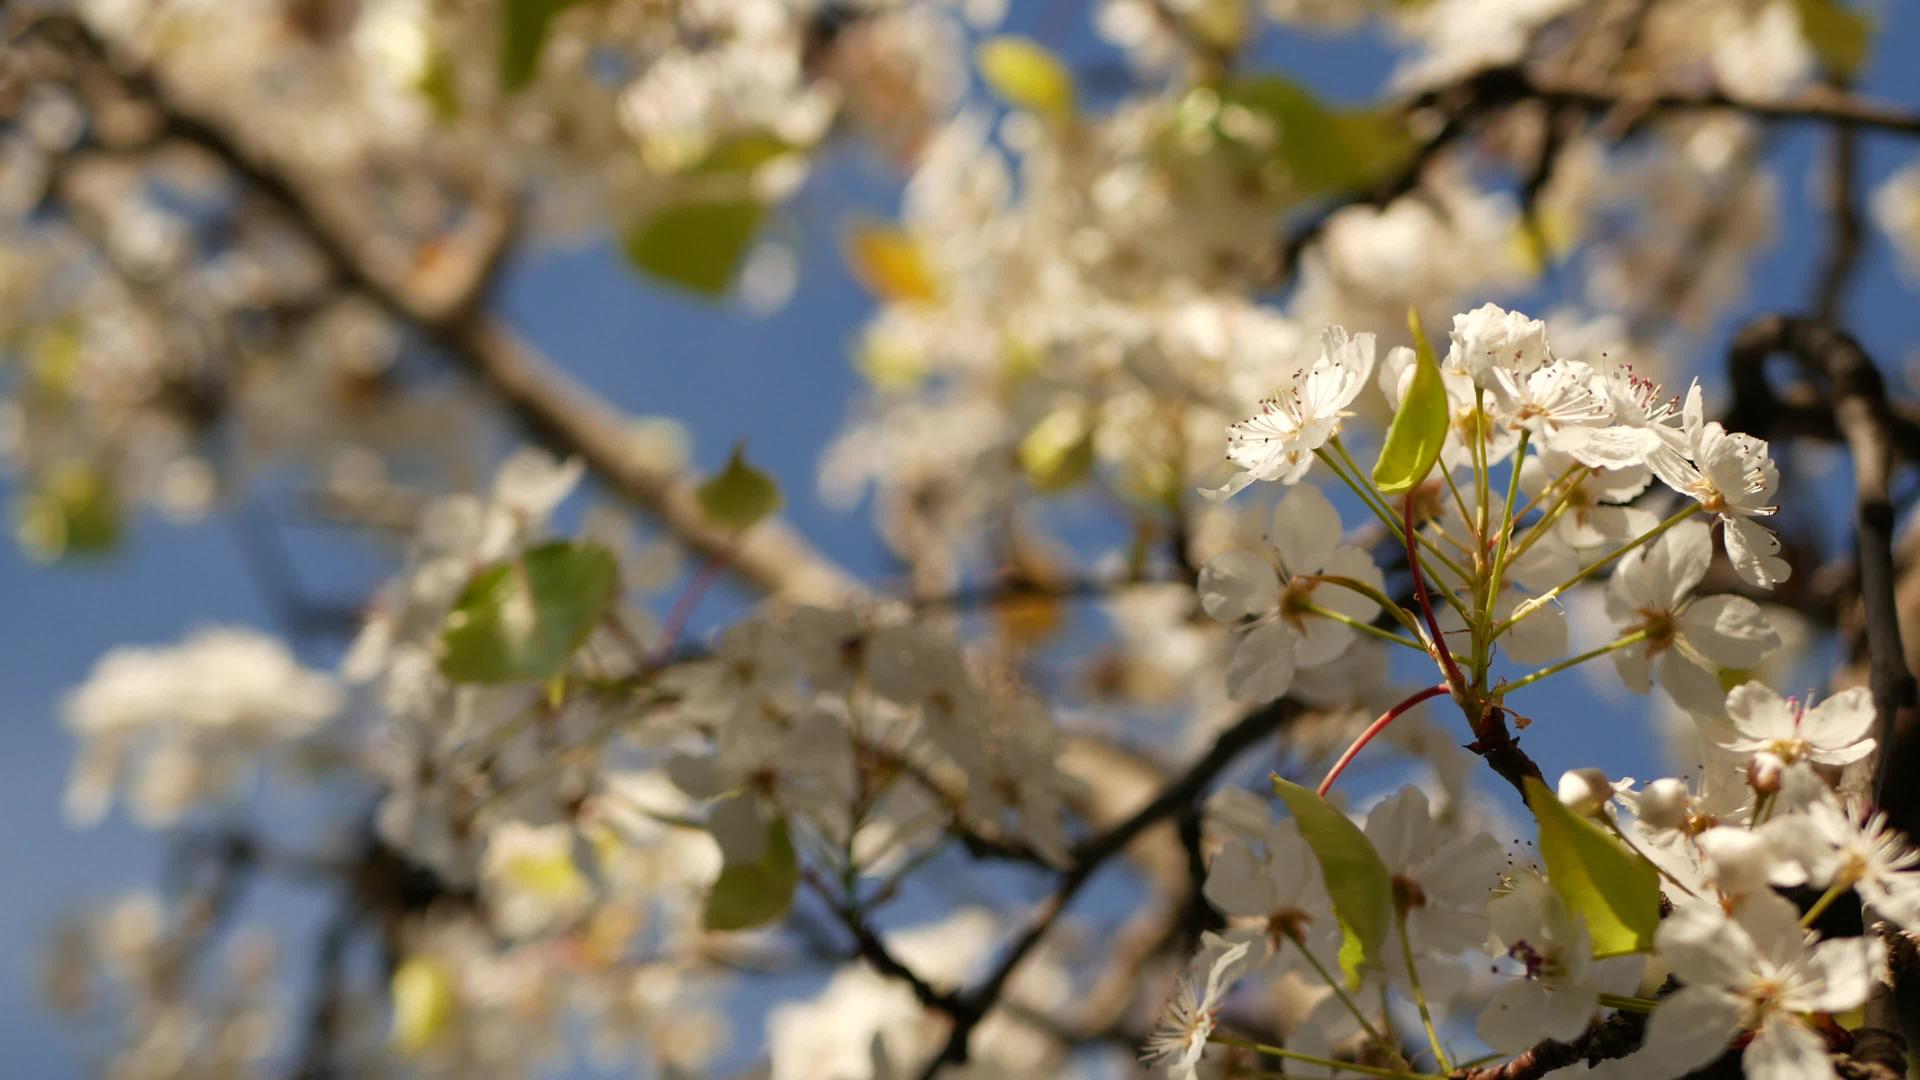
{"x": 1857, "y": 395}
{"x": 1615, "y": 1037}
{"x": 869, "y": 947}
{"x": 1821, "y": 105}
{"x": 1464, "y": 104}
{"x": 1094, "y": 853}
{"x": 1846, "y": 236}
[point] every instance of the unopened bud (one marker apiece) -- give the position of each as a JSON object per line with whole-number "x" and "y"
{"x": 1663, "y": 804}
{"x": 1741, "y": 859}
{"x": 1584, "y": 791}
{"x": 1764, "y": 772}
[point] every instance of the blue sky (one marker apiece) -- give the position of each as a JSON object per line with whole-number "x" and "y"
{"x": 782, "y": 381}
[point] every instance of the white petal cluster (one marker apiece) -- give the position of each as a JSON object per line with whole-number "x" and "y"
{"x": 186, "y": 724}
{"x": 1269, "y": 598}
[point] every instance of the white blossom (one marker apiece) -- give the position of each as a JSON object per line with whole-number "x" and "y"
{"x": 1277, "y": 443}
{"x": 1756, "y": 971}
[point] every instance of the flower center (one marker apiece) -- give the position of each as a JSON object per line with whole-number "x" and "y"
{"x": 1286, "y": 924}
{"x": 1658, "y": 623}
{"x": 1789, "y": 750}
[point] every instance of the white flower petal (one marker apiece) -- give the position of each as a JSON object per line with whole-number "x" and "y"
{"x": 1690, "y": 1028}
{"x": 1306, "y": 530}
{"x": 1237, "y": 584}
{"x": 1786, "y": 1049}
{"x": 1753, "y": 549}
{"x": 1263, "y": 663}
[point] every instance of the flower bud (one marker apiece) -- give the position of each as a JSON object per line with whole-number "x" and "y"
{"x": 1741, "y": 859}
{"x": 1663, "y": 804}
{"x": 1764, "y": 772}
{"x": 1584, "y": 791}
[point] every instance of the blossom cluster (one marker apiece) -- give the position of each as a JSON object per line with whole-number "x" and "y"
{"x": 1742, "y": 965}
{"x": 591, "y": 822}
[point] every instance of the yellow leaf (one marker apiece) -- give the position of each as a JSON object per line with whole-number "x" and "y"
{"x": 1024, "y": 74}
{"x": 425, "y": 1002}
{"x": 888, "y": 262}
{"x": 1058, "y": 452}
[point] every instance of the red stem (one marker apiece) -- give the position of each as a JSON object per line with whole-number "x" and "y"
{"x": 681, "y": 613}
{"x": 1376, "y": 728}
{"x": 1441, "y": 652}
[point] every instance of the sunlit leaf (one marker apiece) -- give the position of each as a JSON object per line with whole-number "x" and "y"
{"x": 522, "y": 619}
{"x": 437, "y": 83}
{"x": 744, "y": 152}
{"x": 890, "y": 363}
{"x": 752, "y": 894}
{"x": 1357, "y": 880}
{"x": 425, "y": 1001}
{"x": 524, "y": 25}
{"x": 740, "y": 494}
{"x": 1615, "y": 889}
{"x": 72, "y": 512}
{"x": 1025, "y": 74}
{"x": 1419, "y": 427}
{"x": 1058, "y": 452}
{"x": 696, "y": 245}
{"x": 1840, "y": 35}
{"x": 887, "y": 260}
{"x": 1323, "y": 149}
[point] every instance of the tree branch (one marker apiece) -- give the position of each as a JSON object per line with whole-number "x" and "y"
{"x": 551, "y": 404}
{"x": 1858, "y": 400}
{"x": 1091, "y": 855}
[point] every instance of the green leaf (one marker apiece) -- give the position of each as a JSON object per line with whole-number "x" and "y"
{"x": 696, "y": 245}
{"x": 1840, "y": 35}
{"x": 1419, "y": 428}
{"x": 521, "y": 620}
{"x": 439, "y": 85}
{"x": 1356, "y": 879}
{"x": 739, "y": 495}
{"x": 523, "y": 34}
{"x": 753, "y": 894}
{"x": 1323, "y": 149}
{"x": 73, "y": 511}
{"x": 1615, "y": 889}
{"x": 1058, "y": 452}
{"x": 744, "y": 152}
{"x": 1024, "y": 74}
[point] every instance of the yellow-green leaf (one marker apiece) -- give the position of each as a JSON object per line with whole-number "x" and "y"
{"x": 1058, "y": 452}
{"x": 753, "y": 894}
{"x": 1025, "y": 74}
{"x": 887, "y": 260}
{"x": 744, "y": 152}
{"x": 1840, "y": 35}
{"x": 1419, "y": 428}
{"x": 438, "y": 82}
{"x": 739, "y": 495}
{"x": 524, "y": 25}
{"x": 696, "y": 245}
{"x": 1323, "y": 149}
{"x": 425, "y": 1001}
{"x": 1615, "y": 889}
{"x": 73, "y": 511}
{"x": 1357, "y": 881}
{"x": 522, "y": 619}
